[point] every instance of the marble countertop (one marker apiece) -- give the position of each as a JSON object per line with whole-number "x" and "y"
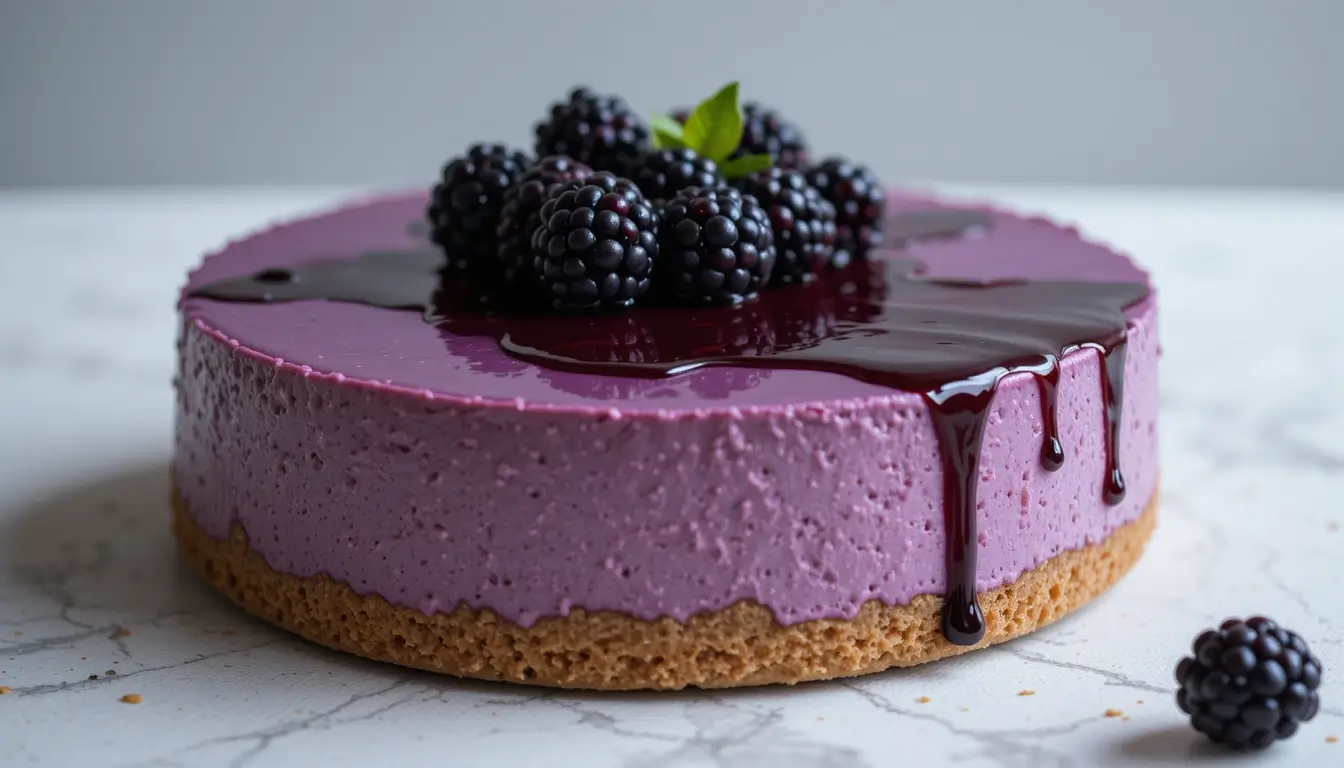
{"x": 95, "y": 605}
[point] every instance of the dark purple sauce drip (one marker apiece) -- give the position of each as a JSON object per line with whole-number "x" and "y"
{"x": 1052, "y": 450}
{"x": 878, "y": 321}
{"x": 1113, "y": 398}
{"x": 959, "y": 417}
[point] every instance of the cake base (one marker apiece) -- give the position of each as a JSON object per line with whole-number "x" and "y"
{"x": 739, "y": 646}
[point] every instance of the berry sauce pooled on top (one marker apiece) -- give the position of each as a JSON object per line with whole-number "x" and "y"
{"x": 876, "y": 320}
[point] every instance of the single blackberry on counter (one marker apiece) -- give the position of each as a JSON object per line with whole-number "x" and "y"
{"x": 717, "y": 247}
{"x": 803, "y": 222}
{"x": 521, "y": 216}
{"x": 465, "y": 206}
{"x": 599, "y": 131}
{"x": 764, "y": 132}
{"x": 1249, "y": 683}
{"x": 860, "y": 205}
{"x": 661, "y": 174}
{"x": 597, "y": 243}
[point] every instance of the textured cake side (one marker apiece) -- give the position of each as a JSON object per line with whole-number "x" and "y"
{"x": 810, "y": 510}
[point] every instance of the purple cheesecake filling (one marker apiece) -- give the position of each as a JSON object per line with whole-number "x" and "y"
{"x": 435, "y": 470}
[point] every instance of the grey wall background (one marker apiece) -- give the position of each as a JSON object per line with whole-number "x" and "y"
{"x": 377, "y": 92}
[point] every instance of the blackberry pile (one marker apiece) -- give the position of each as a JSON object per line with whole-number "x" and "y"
{"x": 521, "y": 216}
{"x": 599, "y": 131}
{"x": 717, "y": 245}
{"x": 1249, "y": 683}
{"x": 765, "y": 132}
{"x": 465, "y": 206}
{"x": 803, "y": 222}
{"x": 860, "y": 204}
{"x": 597, "y": 243}
{"x": 661, "y": 175}
{"x": 607, "y": 219}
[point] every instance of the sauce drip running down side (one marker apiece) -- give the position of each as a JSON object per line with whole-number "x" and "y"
{"x": 877, "y": 320}
{"x": 1052, "y": 450}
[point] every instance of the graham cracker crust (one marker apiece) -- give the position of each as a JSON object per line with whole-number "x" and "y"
{"x": 739, "y": 646}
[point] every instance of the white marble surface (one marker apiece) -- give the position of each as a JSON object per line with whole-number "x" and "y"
{"x": 1253, "y": 474}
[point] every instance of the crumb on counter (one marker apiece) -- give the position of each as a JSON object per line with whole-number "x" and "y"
{"x": 923, "y": 700}
{"x": 4, "y": 689}
{"x": 1026, "y": 693}
{"x": 1331, "y": 739}
{"x": 963, "y": 709}
{"x": 18, "y": 633}
{"x": 123, "y": 632}
{"x": 1114, "y": 713}
{"x": 132, "y": 698}
{"x": 1140, "y": 701}
{"x": 110, "y": 672}
{"x": 93, "y": 677}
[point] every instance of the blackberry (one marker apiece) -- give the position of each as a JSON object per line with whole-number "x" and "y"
{"x": 597, "y": 244}
{"x": 521, "y": 216}
{"x": 464, "y": 208}
{"x": 860, "y": 204}
{"x": 764, "y": 132}
{"x": 599, "y": 131}
{"x": 1249, "y": 683}
{"x": 717, "y": 246}
{"x": 803, "y": 222}
{"x": 660, "y": 175}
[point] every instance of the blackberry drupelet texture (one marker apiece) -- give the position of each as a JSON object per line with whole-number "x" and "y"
{"x": 661, "y": 175}
{"x": 597, "y": 243}
{"x": 599, "y": 131}
{"x": 1249, "y": 683}
{"x": 465, "y": 206}
{"x": 803, "y": 222}
{"x": 860, "y": 205}
{"x": 521, "y": 216}
{"x": 764, "y": 132}
{"x": 717, "y": 247}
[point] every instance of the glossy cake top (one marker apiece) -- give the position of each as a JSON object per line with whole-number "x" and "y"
{"x": 372, "y": 346}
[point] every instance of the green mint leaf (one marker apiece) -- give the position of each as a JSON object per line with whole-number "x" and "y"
{"x": 667, "y": 133}
{"x": 715, "y": 127}
{"x": 745, "y": 165}
{"x": 665, "y": 140}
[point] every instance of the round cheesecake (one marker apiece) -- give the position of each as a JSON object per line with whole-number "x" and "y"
{"x": 388, "y": 484}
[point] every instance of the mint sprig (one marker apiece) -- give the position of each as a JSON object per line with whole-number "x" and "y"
{"x": 746, "y": 165}
{"x": 714, "y": 130}
{"x": 667, "y": 133}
